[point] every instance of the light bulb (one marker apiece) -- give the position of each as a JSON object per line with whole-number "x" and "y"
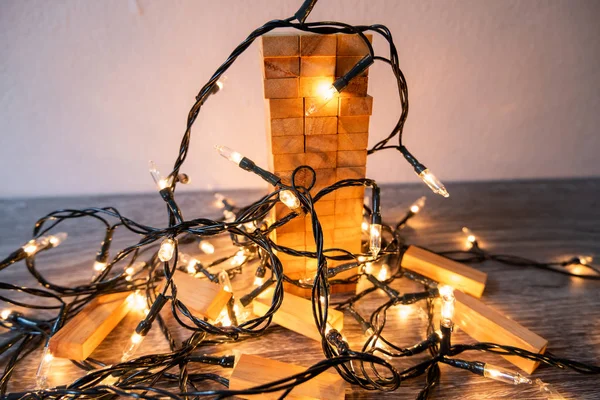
{"x": 375, "y": 239}
{"x": 207, "y": 247}
{"x": 418, "y": 205}
{"x": 448, "y": 300}
{"x": 585, "y": 260}
{"x": 239, "y": 258}
{"x": 288, "y": 198}
{"x": 225, "y": 281}
{"x": 137, "y": 301}
{"x": 548, "y": 390}
{"x": 382, "y": 276}
{"x": 326, "y": 93}
{"x": 223, "y": 318}
{"x": 229, "y": 154}
{"x": 57, "y": 238}
{"x": 34, "y": 245}
{"x": 258, "y": 281}
{"x": 134, "y": 343}
{"x": 30, "y": 247}
{"x": 434, "y": 184}
{"x": 161, "y": 182}
{"x": 5, "y": 313}
{"x": 219, "y": 200}
{"x": 99, "y": 266}
{"x": 167, "y": 248}
{"x": 471, "y": 239}
{"x": 134, "y": 269}
{"x": 369, "y": 268}
{"x": 41, "y": 376}
{"x": 504, "y": 375}
{"x": 365, "y": 226}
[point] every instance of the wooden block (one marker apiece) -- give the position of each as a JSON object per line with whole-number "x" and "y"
{"x": 328, "y": 110}
{"x": 293, "y": 266}
{"x": 202, "y": 297}
{"x": 280, "y": 45}
{"x": 301, "y": 179}
{"x": 295, "y": 225}
{"x": 292, "y": 239}
{"x": 485, "y": 324}
{"x": 353, "y": 124}
{"x": 296, "y": 315}
{"x": 444, "y": 270}
{"x": 350, "y": 173}
{"x": 349, "y": 206}
{"x": 321, "y": 160}
{"x": 343, "y": 235}
{"x": 357, "y": 87}
{"x": 314, "y": 86}
{"x": 318, "y": 143}
{"x": 352, "y": 158}
{"x": 324, "y": 207}
{"x": 289, "y": 260}
{"x": 327, "y": 222}
{"x": 287, "y": 127}
{"x": 353, "y": 192}
{"x": 80, "y": 336}
{"x": 353, "y": 246}
{"x": 353, "y": 141}
{"x": 352, "y": 45}
{"x": 288, "y": 162}
{"x": 287, "y": 144}
{"x": 324, "y": 177}
{"x": 311, "y": 245}
{"x": 252, "y": 370}
{"x": 285, "y": 108}
{"x": 318, "y": 45}
{"x": 317, "y": 66}
{"x": 348, "y": 220}
{"x": 281, "y": 67}
{"x": 345, "y": 63}
{"x": 320, "y": 125}
{"x": 284, "y": 88}
{"x": 352, "y": 106}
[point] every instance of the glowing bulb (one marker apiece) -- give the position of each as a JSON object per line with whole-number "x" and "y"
{"x": 288, "y": 198}
{"x": 418, "y": 205}
{"x": 219, "y": 200}
{"x": 258, "y": 281}
{"x": 229, "y": 154}
{"x": 57, "y": 238}
{"x": 229, "y": 216}
{"x": 434, "y": 184}
{"x": 137, "y": 301}
{"x": 375, "y": 239}
{"x": 135, "y": 342}
{"x": 5, "y": 313}
{"x": 382, "y": 276}
{"x": 365, "y": 226}
{"x": 34, "y": 245}
{"x": 31, "y": 247}
{"x": 471, "y": 239}
{"x": 161, "y": 182}
{"x": 326, "y": 93}
{"x": 224, "y": 319}
{"x": 448, "y": 300}
{"x": 225, "y": 281}
{"x": 220, "y": 85}
{"x": 134, "y": 269}
{"x": 239, "y": 258}
{"x": 99, "y": 266}
{"x": 504, "y": 375}
{"x": 167, "y": 248}
{"x": 369, "y": 268}
{"x": 207, "y": 247}
{"x": 585, "y": 260}
{"x": 41, "y": 376}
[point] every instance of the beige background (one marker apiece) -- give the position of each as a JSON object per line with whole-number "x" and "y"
{"x": 91, "y": 90}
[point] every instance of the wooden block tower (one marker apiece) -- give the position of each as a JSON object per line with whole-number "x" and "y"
{"x": 332, "y": 140}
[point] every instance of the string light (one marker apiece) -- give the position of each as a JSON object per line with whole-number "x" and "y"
{"x": 504, "y": 375}
{"x": 167, "y": 249}
{"x": 375, "y": 239}
{"x": 325, "y": 95}
{"x": 383, "y": 272}
{"x": 35, "y": 245}
{"x": 448, "y": 300}
{"x": 229, "y": 154}
{"x": 5, "y": 314}
{"x": 161, "y": 183}
{"x": 471, "y": 239}
{"x": 207, "y": 247}
{"x": 133, "y": 269}
{"x": 135, "y": 341}
{"x": 585, "y": 260}
{"x": 239, "y": 258}
{"x": 41, "y": 376}
{"x": 434, "y": 183}
{"x": 418, "y": 205}
{"x": 288, "y": 198}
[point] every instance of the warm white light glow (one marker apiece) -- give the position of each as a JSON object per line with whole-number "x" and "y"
{"x": 375, "y": 239}
{"x": 585, "y": 260}
{"x": 41, "y": 376}
{"x": 365, "y": 226}
{"x": 383, "y": 272}
{"x": 219, "y": 200}
{"x": 229, "y": 154}
{"x": 225, "y": 281}
{"x": 448, "y": 300}
{"x": 470, "y": 236}
{"x": 369, "y": 268}
{"x": 434, "y": 184}
{"x": 288, "y": 198}
{"x": 504, "y": 375}
{"x": 207, "y": 247}
{"x": 30, "y": 248}
{"x": 325, "y": 92}
{"x": 133, "y": 269}
{"x": 239, "y": 258}
{"x": 57, "y": 238}
{"x": 5, "y": 313}
{"x": 418, "y": 205}
{"x": 99, "y": 266}
{"x": 137, "y": 301}
{"x": 135, "y": 342}
{"x": 404, "y": 311}
{"x": 167, "y": 248}
{"x": 258, "y": 281}
{"x": 161, "y": 182}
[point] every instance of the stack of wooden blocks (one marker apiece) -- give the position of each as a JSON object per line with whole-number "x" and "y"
{"x": 333, "y": 140}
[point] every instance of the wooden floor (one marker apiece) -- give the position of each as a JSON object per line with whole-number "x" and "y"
{"x": 550, "y": 220}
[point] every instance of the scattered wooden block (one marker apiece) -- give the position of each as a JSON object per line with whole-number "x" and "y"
{"x": 318, "y": 143}
{"x": 287, "y": 144}
{"x": 285, "y": 108}
{"x": 485, "y": 324}
{"x": 444, "y": 270}
{"x": 352, "y": 45}
{"x": 349, "y": 206}
{"x": 328, "y": 110}
{"x": 280, "y": 45}
{"x": 318, "y": 45}
{"x": 253, "y": 371}
{"x": 80, "y": 336}
{"x": 314, "y": 86}
{"x": 317, "y": 66}
{"x": 327, "y": 222}
{"x": 296, "y": 315}
{"x": 284, "y": 88}
{"x": 292, "y": 239}
{"x": 352, "y": 106}
{"x": 352, "y": 158}
{"x": 281, "y": 67}
{"x": 287, "y": 127}
{"x": 353, "y": 192}
{"x": 202, "y": 297}
{"x": 357, "y": 87}
{"x": 352, "y": 141}
{"x": 350, "y": 173}
{"x": 324, "y": 207}
{"x": 288, "y": 162}
{"x": 353, "y": 124}
{"x": 345, "y": 63}
{"x": 320, "y": 125}
{"x": 321, "y": 160}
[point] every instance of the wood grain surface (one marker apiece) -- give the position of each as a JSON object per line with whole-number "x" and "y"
{"x": 545, "y": 220}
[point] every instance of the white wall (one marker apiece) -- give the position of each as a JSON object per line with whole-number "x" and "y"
{"x": 90, "y": 90}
